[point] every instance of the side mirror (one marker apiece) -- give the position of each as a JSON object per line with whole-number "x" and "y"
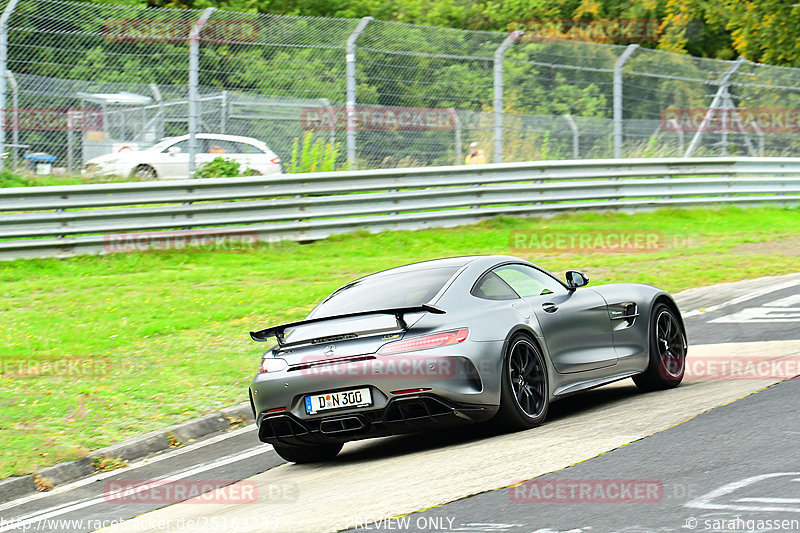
{"x": 576, "y": 279}
{"x": 172, "y": 150}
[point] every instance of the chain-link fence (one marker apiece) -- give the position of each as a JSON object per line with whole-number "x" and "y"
{"x": 86, "y": 79}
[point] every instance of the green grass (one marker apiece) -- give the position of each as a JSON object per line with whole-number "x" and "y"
{"x": 155, "y": 338}
{"x": 27, "y": 179}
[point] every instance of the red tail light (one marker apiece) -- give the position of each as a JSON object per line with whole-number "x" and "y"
{"x": 275, "y": 160}
{"x": 425, "y": 342}
{"x": 410, "y": 391}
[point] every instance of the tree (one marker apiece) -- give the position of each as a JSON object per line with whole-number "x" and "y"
{"x": 766, "y": 31}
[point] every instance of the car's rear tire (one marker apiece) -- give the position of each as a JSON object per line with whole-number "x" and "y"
{"x": 145, "y": 172}
{"x": 524, "y": 393}
{"x": 667, "y": 362}
{"x": 308, "y": 454}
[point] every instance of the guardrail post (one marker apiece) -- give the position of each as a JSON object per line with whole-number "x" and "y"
{"x": 350, "y": 58}
{"x": 194, "y": 68}
{"x": 498, "y": 92}
{"x": 6, "y": 16}
{"x": 618, "y": 98}
{"x": 721, "y": 92}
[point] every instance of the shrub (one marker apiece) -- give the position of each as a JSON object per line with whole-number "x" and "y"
{"x": 219, "y": 167}
{"x": 314, "y": 155}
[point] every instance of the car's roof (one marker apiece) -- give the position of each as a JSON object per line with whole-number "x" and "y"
{"x": 454, "y": 262}
{"x": 477, "y": 263}
{"x": 218, "y": 136}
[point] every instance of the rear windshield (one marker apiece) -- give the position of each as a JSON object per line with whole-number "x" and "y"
{"x": 387, "y": 290}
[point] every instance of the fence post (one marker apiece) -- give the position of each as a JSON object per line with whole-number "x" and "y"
{"x": 332, "y": 114}
{"x": 576, "y": 146}
{"x": 459, "y": 140}
{"x": 12, "y": 81}
{"x": 194, "y": 68}
{"x": 350, "y": 58}
{"x": 498, "y": 92}
{"x": 721, "y": 92}
{"x": 618, "y": 98}
{"x": 12, "y": 4}
{"x": 160, "y": 117}
{"x": 223, "y": 119}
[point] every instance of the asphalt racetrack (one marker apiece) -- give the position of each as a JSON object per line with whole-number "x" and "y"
{"x": 718, "y": 453}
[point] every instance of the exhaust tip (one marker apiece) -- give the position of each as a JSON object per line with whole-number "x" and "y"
{"x": 341, "y": 425}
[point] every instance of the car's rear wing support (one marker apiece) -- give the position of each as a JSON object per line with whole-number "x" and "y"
{"x": 398, "y": 312}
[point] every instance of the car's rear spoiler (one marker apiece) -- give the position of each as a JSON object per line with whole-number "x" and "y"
{"x": 398, "y": 312}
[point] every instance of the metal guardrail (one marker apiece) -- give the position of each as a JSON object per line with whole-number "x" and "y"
{"x": 88, "y": 219}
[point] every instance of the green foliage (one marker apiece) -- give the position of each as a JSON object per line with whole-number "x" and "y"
{"x": 130, "y": 314}
{"x": 219, "y": 167}
{"x": 766, "y": 30}
{"x": 314, "y": 155}
{"x": 17, "y": 178}
{"x": 9, "y": 179}
{"x": 102, "y": 463}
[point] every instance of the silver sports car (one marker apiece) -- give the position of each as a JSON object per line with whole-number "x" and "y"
{"x": 455, "y": 341}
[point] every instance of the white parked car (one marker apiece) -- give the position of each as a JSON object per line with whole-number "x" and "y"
{"x": 168, "y": 158}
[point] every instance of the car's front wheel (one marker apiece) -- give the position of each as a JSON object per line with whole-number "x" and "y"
{"x": 524, "y": 395}
{"x": 667, "y": 362}
{"x": 145, "y": 172}
{"x": 308, "y": 454}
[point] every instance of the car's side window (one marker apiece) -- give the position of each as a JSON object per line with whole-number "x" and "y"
{"x": 491, "y": 287}
{"x": 528, "y": 281}
{"x": 219, "y": 147}
{"x": 239, "y": 148}
{"x": 183, "y": 146}
{"x": 248, "y": 148}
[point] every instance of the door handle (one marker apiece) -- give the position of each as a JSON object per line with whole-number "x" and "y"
{"x": 549, "y": 307}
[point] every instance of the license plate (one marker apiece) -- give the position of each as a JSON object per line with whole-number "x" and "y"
{"x": 338, "y": 400}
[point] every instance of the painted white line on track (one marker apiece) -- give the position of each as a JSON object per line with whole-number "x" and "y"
{"x": 761, "y": 315}
{"x": 770, "y": 500}
{"x": 744, "y": 298}
{"x": 132, "y": 466}
{"x": 371, "y": 480}
{"x": 789, "y": 301}
{"x": 707, "y": 501}
{"x": 25, "y": 521}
